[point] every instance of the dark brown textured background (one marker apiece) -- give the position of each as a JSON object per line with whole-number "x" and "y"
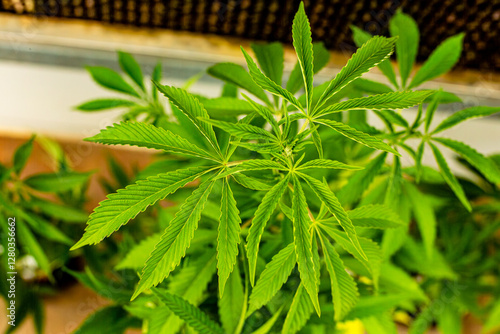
{"x": 271, "y": 20}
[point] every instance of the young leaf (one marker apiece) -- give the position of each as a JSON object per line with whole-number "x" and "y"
{"x": 101, "y": 104}
{"x": 236, "y": 75}
{"x": 302, "y": 42}
{"x": 57, "y": 182}
{"x": 193, "y": 109}
{"x": 302, "y": 235}
{"x": 147, "y": 135}
{"x": 127, "y": 203}
{"x": 344, "y": 290}
{"x": 486, "y": 166}
{"x": 394, "y": 100}
{"x": 370, "y": 54}
{"x": 265, "y": 83}
{"x": 332, "y": 203}
{"x": 259, "y": 221}
{"x": 273, "y": 277}
{"x": 449, "y": 177}
{"x": 22, "y": 155}
{"x": 299, "y": 313}
{"x": 229, "y": 235}
{"x": 406, "y": 28}
{"x": 462, "y": 115}
{"x": 424, "y": 215}
{"x": 374, "y": 216}
{"x": 360, "y": 37}
{"x": 358, "y": 136}
{"x": 240, "y": 130}
{"x": 250, "y": 182}
{"x": 175, "y": 240}
{"x": 441, "y": 60}
{"x": 192, "y": 315}
{"x": 270, "y": 58}
{"x": 111, "y": 80}
{"x": 130, "y": 66}
{"x": 326, "y": 163}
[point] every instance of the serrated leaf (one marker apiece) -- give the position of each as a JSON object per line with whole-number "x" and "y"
{"x": 147, "y": 135}
{"x": 57, "y": 182}
{"x": 360, "y": 37}
{"x": 228, "y": 237}
{"x": 108, "y": 78}
{"x": 369, "y": 55}
{"x": 302, "y": 235}
{"x": 424, "y": 215}
{"x": 102, "y": 104}
{"x": 486, "y": 166}
{"x": 22, "y": 154}
{"x": 344, "y": 290}
{"x": 358, "y": 136}
{"x": 299, "y": 313}
{"x": 406, "y": 28}
{"x": 360, "y": 181}
{"x": 262, "y": 215}
{"x": 302, "y": 42}
{"x": 326, "y": 163}
{"x": 240, "y": 130}
{"x": 192, "y": 315}
{"x": 462, "y": 115}
{"x": 441, "y": 60}
{"x": 320, "y": 58}
{"x": 273, "y": 277}
{"x": 130, "y": 66}
{"x": 193, "y": 109}
{"x": 375, "y": 216}
{"x": 236, "y": 75}
{"x": 267, "y": 84}
{"x": 449, "y": 177}
{"x": 231, "y": 304}
{"x": 270, "y": 58}
{"x": 127, "y": 203}
{"x": 190, "y": 283}
{"x": 393, "y": 100}
{"x": 175, "y": 240}
{"x": 333, "y": 205}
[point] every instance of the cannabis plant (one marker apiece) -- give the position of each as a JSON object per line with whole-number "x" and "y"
{"x": 43, "y": 209}
{"x": 302, "y": 209}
